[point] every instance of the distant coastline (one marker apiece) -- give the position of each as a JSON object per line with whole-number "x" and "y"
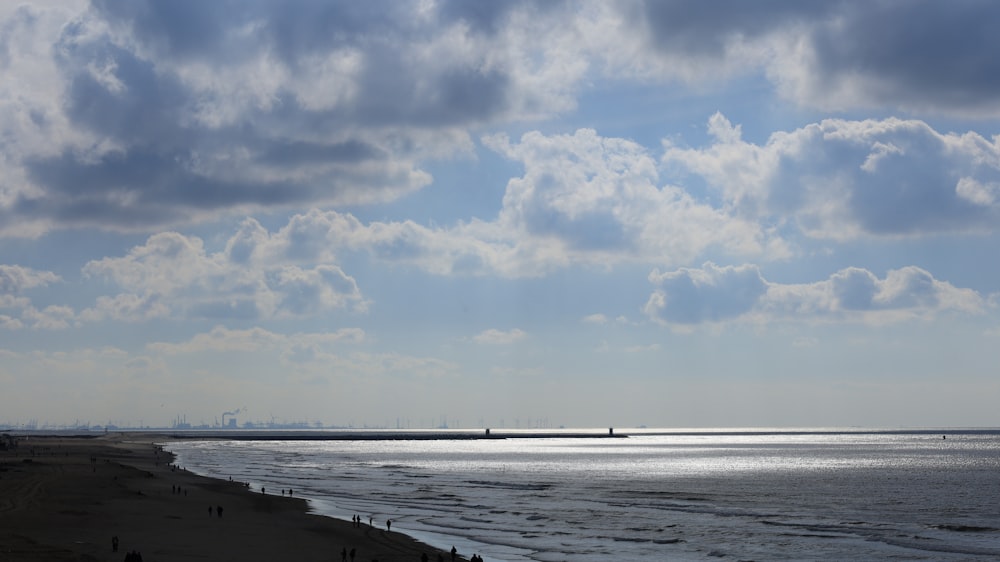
{"x": 350, "y": 434}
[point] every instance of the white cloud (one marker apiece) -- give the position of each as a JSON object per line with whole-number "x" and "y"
{"x": 222, "y": 340}
{"x": 583, "y": 200}
{"x": 49, "y": 318}
{"x": 14, "y": 278}
{"x": 842, "y": 179}
{"x": 174, "y": 274}
{"x": 976, "y": 192}
{"x": 14, "y": 281}
{"x": 594, "y": 198}
{"x": 715, "y": 295}
{"x": 499, "y": 337}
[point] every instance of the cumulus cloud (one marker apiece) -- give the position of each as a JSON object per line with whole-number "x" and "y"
{"x": 593, "y": 200}
{"x": 843, "y": 179}
{"x": 601, "y": 198}
{"x": 709, "y": 294}
{"x": 713, "y": 294}
{"x": 144, "y": 115}
{"x": 17, "y": 311}
{"x": 14, "y": 278}
{"x": 147, "y": 115}
{"x": 173, "y": 274}
{"x": 583, "y": 200}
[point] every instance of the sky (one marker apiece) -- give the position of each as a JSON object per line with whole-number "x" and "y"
{"x": 500, "y": 214}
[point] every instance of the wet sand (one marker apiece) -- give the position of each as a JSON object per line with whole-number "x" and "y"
{"x": 64, "y": 498}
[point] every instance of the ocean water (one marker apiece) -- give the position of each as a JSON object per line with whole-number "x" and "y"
{"x": 703, "y": 495}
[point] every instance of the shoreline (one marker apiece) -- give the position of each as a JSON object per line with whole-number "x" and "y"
{"x": 65, "y": 497}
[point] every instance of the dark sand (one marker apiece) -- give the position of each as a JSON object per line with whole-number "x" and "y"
{"x": 66, "y": 499}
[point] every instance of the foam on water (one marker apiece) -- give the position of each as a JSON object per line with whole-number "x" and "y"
{"x": 825, "y": 496}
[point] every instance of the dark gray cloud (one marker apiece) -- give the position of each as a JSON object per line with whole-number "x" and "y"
{"x": 921, "y": 55}
{"x": 705, "y": 28}
{"x": 181, "y": 28}
{"x": 139, "y": 189}
{"x": 394, "y": 90}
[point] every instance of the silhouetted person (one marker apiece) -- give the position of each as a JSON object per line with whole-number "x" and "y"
{"x": 454, "y": 552}
{"x": 343, "y": 554}
{"x": 218, "y": 509}
{"x": 388, "y": 525}
{"x": 211, "y": 511}
{"x": 352, "y": 555}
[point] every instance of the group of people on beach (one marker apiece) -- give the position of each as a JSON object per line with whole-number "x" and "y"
{"x": 454, "y": 557}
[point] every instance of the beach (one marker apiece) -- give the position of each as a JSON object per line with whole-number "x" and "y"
{"x": 65, "y": 498}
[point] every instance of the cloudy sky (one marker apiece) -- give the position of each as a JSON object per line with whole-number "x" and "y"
{"x": 675, "y": 214}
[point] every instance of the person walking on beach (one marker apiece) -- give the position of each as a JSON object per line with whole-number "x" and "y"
{"x": 388, "y": 525}
{"x": 454, "y": 552}
{"x": 343, "y": 554}
{"x": 218, "y": 509}
{"x": 352, "y": 555}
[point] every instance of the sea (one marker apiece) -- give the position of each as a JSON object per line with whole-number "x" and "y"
{"x": 735, "y": 494}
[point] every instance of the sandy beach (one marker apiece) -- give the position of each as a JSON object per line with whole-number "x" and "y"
{"x": 64, "y": 498}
